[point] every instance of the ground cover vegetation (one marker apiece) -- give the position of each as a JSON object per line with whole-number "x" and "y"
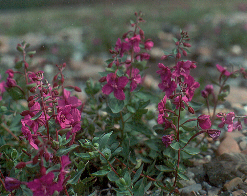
{"x": 52, "y": 143}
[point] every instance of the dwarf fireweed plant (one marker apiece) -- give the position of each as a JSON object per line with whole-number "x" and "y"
{"x": 53, "y": 143}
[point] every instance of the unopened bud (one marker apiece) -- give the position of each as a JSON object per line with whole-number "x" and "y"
{"x": 110, "y": 64}
{"x": 103, "y": 79}
{"x": 64, "y": 65}
{"x": 178, "y": 56}
{"x": 186, "y": 44}
{"x": 26, "y": 65}
{"x": 31, "y": 103}
{"x": 35, "y": 159}
{"x": 191, "y": 110}
{"x": 24, "y": 113}
{"x": 184, "y": 53}
{"x": 43, "y": 170}
{"x": 33, "y": 89}
{"x": 77, "y": 89}
{"x": 20, "y": 165}
{"x": 177, "y": 43}
{"x": 47, "y": 156}
{"x": 142, "y": 34}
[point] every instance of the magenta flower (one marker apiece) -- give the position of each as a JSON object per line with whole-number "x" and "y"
{"x": 223, "y": 70}
{"x": 34, "y": 124}
{"x": 68, "y": 100}
{"x": 228, "y": 119}
{"x": 167, "y": 140}
{"x": 191, "y": 86}
{"x": 116, "y": 85}
{"x": 135, "y": 41}
{"x": 213, "y": 133}
{"x": 122, "y": 47}
{"x": 168, "y": 86}
{"x": 180, "y": 103}
{"x": 11, "y": 82}
{"x": 2, "y": 88}
{"x": 183, "y": 69}
{"x": 12, "y": 184}
{"x": 148, "y": 44}
{"x": 204, "y": 121}
{"x": 45, "y": 185}
{"x": 164, "y": 72}
{"x": 10, "y": 72}
{"x": 27, "y": 133}
{"x": 135, "y": 78}
{"x": 69, "y": 117}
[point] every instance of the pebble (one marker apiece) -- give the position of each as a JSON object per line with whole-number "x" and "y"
{"x": 186, "y": 191}
{"x": 230, "y": 185}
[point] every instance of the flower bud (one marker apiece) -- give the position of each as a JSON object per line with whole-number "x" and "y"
{"x": 177, "y": 43}
{"x": 184, "y": 53}
{"x": 186, "y": 45}
{"x": 110, "y": 64}
{"x": 178, "y": 56}
{"x": 191, "y": 110}
{"x": 31, "y": 103}
{"x": 25, "y": 112}
{"x": 64, "y": 65}
{"x": 26, "y": 65}
{"x": 77, "y": 89}
{"x": 47, "y": 156}
{"x": 43, "y": 170}
{"x": 20, "y": 165}
{"x": 141, "y": 32}
{"x": 35, "y": 159}
{"x": 33, "y": 89}
{"x": 103, "y": 79}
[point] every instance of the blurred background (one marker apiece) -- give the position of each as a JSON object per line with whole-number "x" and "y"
{"x": 81, "y": 32}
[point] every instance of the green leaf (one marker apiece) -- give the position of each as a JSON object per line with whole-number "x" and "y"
{"x": 100, "y": 173}
{"x": 112, "y": 176}
{"x": 175, "y": 39}
{"x": 127, "y": 178}
{"x": 137, "y": 174}
{"x": 84, "y": 156}
{"x": 139, "y": 188}
{"x": 75, "y": 179}
{"x": 175, "y": 145}
{"x": 116, "y": 105}
{"x": 131, "y": 109}
{"x": 191, "y": 150}
{"x": 19, "y": 64}
{"x": 31, "y": 52}
{"x": 26, "y": 191}
{"x": 164, "y": 168}
{"x": 37, "y": 115}
{"x": 184, "y": 177}
{"x": 196, "y": 106}
{"x": 104, "y": 139}
{"x": 64, "y": 151}
{"x": 15, "y": 93}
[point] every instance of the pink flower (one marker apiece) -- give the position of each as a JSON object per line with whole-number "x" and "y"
{"x": 27, "y": 133}
{"x": 213, "y": 133}
{"x": 228, "y": 119}
{"x": 143, "y": 56}
{"x": 69, "y": 117}
{"x": 167, "y": 140}
{"x": 12, "y": 184}
{"x": 45, "y": 185}
{"x": 122, "y": 47}
{"x": 34, "y": 124}
{"x": 180, "y": 103}
{"x": 116, "y": 85}
{"x": 191, "y": 86}
{"x": 135, "y": 41}
{"x": 168, "y": 86}
{"x": 183, "y": 69}
{"x": 135, "y": 78}
{"x": 223, "y": 70}
{"x": 11, "y": 82}
{"x": 164, "y": 72}
{"x": 204, "y": 121}
{"x": 68, "y": 100}
{"x": 10, "y": 72}
{"x": 148, "y": 44}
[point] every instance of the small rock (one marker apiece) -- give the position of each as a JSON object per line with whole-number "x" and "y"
{"x": 213, "y": 191}
{"x": 243, "y": 145}
{"x": 188, "y": 191}
{"x": 228, "y": 145}
{"x": 229, "y": 186}
{"x": 238, "y": 192}
{"x": 236, "y": 50}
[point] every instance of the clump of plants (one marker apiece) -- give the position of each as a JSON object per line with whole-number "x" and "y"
{"x": 53, "y": 143}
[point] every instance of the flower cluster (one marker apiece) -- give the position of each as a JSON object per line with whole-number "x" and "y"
{"x": 125, "y": 72}
{"x": 46, "y": 106}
